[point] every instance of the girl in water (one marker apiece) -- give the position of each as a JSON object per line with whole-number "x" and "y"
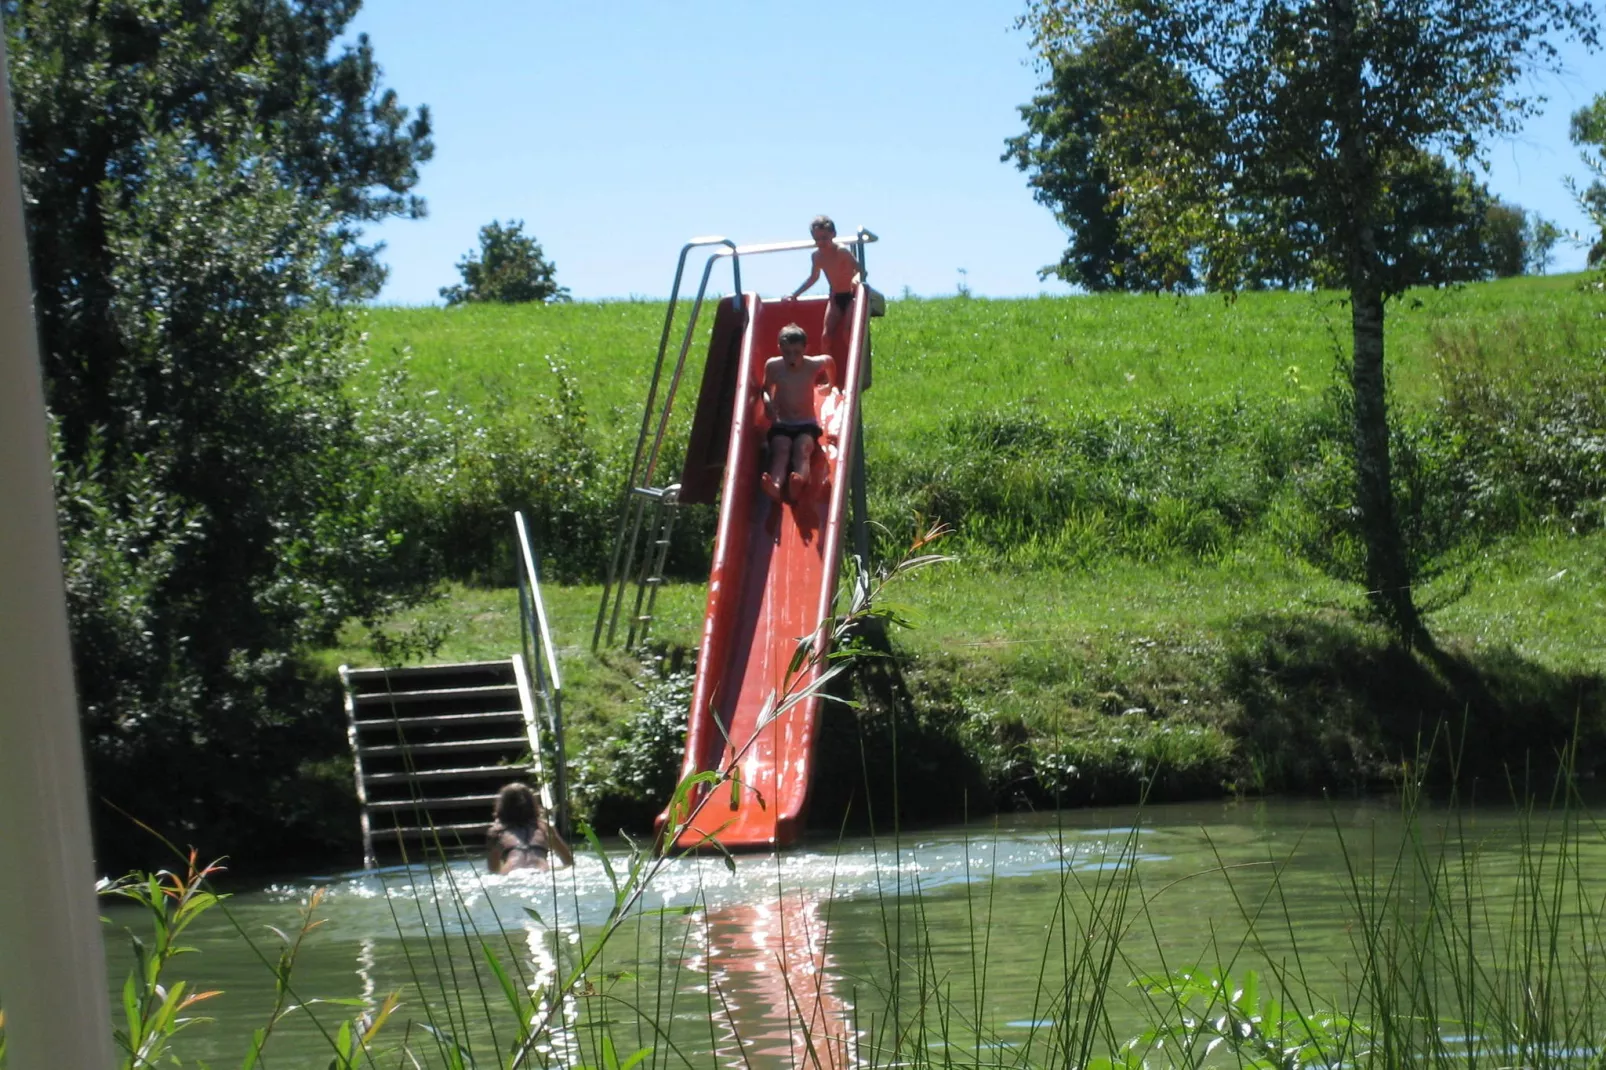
{"x": 520, "y": 837}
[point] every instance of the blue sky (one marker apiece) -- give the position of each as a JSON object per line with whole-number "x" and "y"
{"x": 618, "y": 130}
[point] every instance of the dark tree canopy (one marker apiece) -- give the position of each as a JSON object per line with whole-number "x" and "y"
{"x": 509, "y": 268}
{"x": 1505, "y": 236}
{"x": 1317, "y": 128}
{"x": 96, "y": 82}
{"x": 197, "y": 176}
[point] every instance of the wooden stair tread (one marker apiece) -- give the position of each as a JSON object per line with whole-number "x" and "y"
{"x": 448, "y": 774}
{"x": 445, "y": 802}
{"x": 515, "y": 743}
{"x": 438, "y": 694}
{"x": 432, "y": 720}
{"x": 451, "y": 668}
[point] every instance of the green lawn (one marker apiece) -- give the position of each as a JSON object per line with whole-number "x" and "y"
{"x": 933, "y": 358}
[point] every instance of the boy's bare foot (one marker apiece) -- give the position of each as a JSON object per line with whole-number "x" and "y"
{"x": 795, "y": 486}
{"x": 772, "y": 488}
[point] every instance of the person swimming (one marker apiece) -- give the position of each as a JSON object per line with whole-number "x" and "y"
{"x": 520, "y": 837}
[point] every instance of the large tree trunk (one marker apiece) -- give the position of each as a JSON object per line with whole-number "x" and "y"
{"x": 1388, "y": 570}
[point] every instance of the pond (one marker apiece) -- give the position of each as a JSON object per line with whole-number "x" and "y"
{"x": 1012, "y": 942}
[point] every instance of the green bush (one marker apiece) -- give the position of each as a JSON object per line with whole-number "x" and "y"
{"x": 623, "y": 781}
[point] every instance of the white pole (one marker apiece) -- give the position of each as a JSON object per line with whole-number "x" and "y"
{"x": 52, "y": 968}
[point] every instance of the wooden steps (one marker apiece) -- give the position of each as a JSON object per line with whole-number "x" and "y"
{"x": 432, "y": 745}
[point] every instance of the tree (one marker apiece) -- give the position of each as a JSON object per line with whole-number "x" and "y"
{"x": 1505, "y": 237}
{"x": 1540, "y": 236}
{"x": 1060, "y": 152}
{"x": 1437, "y": 215}
{"x": 508, "y": 268}
{"x": 197, "y": 176}
{"x": 1588, "y": 128}
{"x": 1313, "y": 115}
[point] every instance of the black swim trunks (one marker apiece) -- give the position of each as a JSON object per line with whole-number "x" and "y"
{"x": 793, "y": 430}
{"x": 843, "y": 300}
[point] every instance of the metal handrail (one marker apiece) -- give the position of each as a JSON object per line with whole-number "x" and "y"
{"x": 859, "y": 237}
{"x": 627, "y": 508}
{"x": 631, "y": 507}
{"x": 534, "y": 627}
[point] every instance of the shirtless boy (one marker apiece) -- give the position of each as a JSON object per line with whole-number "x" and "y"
{"x": 840, "y": 267}
{"x": 789, "y": 382}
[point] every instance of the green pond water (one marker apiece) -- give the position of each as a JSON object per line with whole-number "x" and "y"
{"x": 967, "y": 932}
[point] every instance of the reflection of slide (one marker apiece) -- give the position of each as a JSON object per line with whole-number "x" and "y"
{"x": 774, "y": 572}
{"x": 775, "y": 1003}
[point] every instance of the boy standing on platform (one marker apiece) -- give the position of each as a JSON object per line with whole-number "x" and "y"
{"x": 840, "y": 268}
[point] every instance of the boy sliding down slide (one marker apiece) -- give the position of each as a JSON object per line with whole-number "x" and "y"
{"x": 789, "y": 382}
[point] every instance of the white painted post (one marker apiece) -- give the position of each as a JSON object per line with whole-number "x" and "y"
{"x": 52, "y": 967}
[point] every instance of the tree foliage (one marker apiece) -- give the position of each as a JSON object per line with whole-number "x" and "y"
{"x": 1588, "y": 130}
{"x": 508, "y": 268}
{"x": 1061, "y": 152}
{"x": 197, "y": 176}
{"x": 1316, "y": 129}
{"x": 1443, "y": 225}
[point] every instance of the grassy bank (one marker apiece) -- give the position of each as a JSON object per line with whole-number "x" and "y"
{"x": 1256, "y": 672}
{"x": 1151, "y": 503}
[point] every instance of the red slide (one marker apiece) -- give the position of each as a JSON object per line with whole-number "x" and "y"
{"x": 773, "y": 578}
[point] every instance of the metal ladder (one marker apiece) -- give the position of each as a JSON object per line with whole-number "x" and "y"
{"x": 663, "y": 508}
{"x": 641, "y": 504}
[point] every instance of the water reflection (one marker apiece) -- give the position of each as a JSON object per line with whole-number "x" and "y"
{"x": 797, "y": 959}
{"x": 771, "y": 976}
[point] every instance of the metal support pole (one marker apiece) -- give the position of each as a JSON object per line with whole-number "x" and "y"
{"x": 861, "y": 498}
{"x": 52, "y": 968}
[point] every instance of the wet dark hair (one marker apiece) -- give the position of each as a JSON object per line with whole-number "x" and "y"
{"x": 516, "y": 806}
{"x": 793, "y": 333}
{"x": 824, "y": 221}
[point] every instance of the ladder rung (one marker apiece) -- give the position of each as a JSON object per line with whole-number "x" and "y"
{"x": 456, "y": 669}
{"x": 453, "y": 745}
{"x": 372, "y": 698}
{"x": 440, "y": 719}
{"x": 426, "y": 831}
{"x": 466, "y": 773}
{"x": 444, "y": 803}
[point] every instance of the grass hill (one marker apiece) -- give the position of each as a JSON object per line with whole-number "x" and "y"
{"x": 1150, "y": 501}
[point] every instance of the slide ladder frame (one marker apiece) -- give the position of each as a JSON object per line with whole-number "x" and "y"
{"x": 641, "y": 504}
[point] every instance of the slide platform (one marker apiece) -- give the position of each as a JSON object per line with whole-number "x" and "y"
{"x": 774, "y": 572}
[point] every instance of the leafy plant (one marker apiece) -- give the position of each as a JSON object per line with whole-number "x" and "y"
{"x": 1203, "y": 1010}
{"x": 153, "y": 1011}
